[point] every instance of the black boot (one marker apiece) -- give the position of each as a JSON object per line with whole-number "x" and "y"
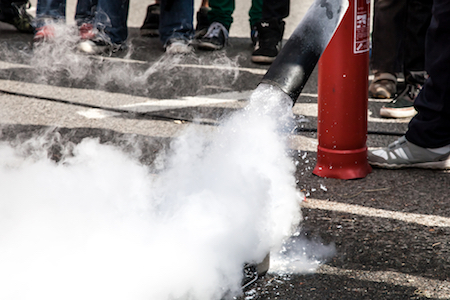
{"x": 270, "y": 35}
{"x": 14, "y": 13}
{"x": 151, "y": 23}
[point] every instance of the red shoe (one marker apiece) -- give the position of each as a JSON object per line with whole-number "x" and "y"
{"x": 44, "y": 34}
{"x": 86, "y": 31}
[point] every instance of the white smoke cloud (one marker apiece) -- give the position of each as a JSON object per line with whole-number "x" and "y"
{"x": 99, "y": 225}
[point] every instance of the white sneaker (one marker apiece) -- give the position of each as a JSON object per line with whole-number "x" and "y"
{"x": 404, "y": 154}
{"x": 178, "y": 46}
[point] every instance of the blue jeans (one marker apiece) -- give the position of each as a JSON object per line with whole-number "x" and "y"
{"x": 108, "y": 16}
{"x": 176, "y": 20}
{"x": 50, "y": 9}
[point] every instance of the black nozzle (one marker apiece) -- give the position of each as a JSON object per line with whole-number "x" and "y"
{"x": 299, "y": 56}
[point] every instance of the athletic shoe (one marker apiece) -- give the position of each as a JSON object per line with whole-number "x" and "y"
{"x": 215, "y": 38}
{"x": 98, "y": 45}
{"x": 202, "y": 22}
{"x": 178, "y": 46}
{"x": 16, "y": 15}
{"x": 87, "y": 31}
{"x": 404, "y": 154}
{"x": 384, "y": 86}
{"x": 150, "y": 27}
{"x": 403, "y": 105}
{"x": 270, "y": 34}
{"x": 44, "y": 34}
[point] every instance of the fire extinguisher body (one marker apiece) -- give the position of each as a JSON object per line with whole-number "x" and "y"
{"x": 342, "y": 98}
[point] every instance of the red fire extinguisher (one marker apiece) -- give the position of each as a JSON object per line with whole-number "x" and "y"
{"x": 342, "y": 97}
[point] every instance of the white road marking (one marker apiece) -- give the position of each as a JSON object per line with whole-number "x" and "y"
{"x": 8, "y": 65}
{"x": 256, "y": 71}
{"x": 425, "y": 287}
{"x": 421, "y": 219}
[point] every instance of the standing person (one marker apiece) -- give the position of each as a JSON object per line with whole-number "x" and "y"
{"x": 266, "y": 23}
{"x": 270, "y": 30}
{"x": 150, "y": 27}
{"x": 108, "y": 21}
{"x": 176, "y": 28}
{"x": 102, "y": 23}
{"x": 398, "y": 45}
{"x": 426, "y": 144}
{"x": 14, "y": 13}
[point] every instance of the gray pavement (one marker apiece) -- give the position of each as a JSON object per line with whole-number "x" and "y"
{"x": 390, "y": 230}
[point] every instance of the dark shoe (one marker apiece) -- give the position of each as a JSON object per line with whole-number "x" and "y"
{"x": 215, "y": 38}
{"x": 270, "y": 34}
{"x": 150, "y": 27}
{"x": 384, "y": 86}
{"x": 17, "y": 15}
{"x": 403, "y": 105}
{"x": 202, "y": 22}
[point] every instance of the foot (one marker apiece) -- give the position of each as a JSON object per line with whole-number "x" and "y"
{"x": 403, "y": 105}
{"x": 215, "y": 38}
{"x": 404, "y": 154}
{"x": 87, "y": 31}
{"x": 202, "y": 22}
{"x": 44, "y": 34}
{"x": 150, "y": 27}
{"x": 16, "y": 15}
{"x": 98, "y": 45}
{"x": 178, "y": 46}
{"x": 384, "y": 86}
{"x": 268, "y": 43}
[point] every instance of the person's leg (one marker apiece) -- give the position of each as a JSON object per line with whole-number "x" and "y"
{"x": 427, "y": 141}
{"x": 150, "y": 27}
{"x": 430, "y": 128}
{"x": 85, "y": 11}
{"x": 275, "y": 9}
{"x": 388, "y": 31}
{"x": 50, "y": 9}
{"x": 417, "y": 23}
{"x": 176, "y": 21}
{"x": 202, "y": 19}
{"x": 221, "y": 12}
{"x": 111, "y": 18}
{"x": 255, "y": 12}
{"x": 270, "y": 30}
{"x": 220, "y": 19}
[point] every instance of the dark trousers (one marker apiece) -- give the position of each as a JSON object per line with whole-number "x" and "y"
{"x": 430, "y": 128}
{"x": 398, "y": 38}
{"x": 275, "y": 9}
{"x": 222, "y": 10}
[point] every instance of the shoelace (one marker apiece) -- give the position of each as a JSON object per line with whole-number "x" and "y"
{"x": 215, "y": 29}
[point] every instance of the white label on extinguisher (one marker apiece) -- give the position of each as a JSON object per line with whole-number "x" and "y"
{"x": 361, "y": 34}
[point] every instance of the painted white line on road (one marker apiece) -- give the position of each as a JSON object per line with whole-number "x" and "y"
{"x": 311, "y": 110}
{"x": 256, "y": 71}
{"x": 97, "y": 113}
{"x": 426, "y": 220}
{"x": 156, "y": 105}
{"x": 8, "y": 65}
{"x": 425, "y": 287}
